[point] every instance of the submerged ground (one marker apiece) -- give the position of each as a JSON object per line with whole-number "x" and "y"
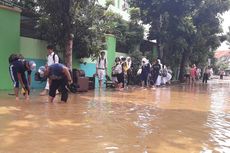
{"x": 176, "y": 119}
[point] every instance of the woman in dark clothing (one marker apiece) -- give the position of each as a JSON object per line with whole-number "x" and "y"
{"x": 155, "y": 71}
{"x": 145, "y": 71}
{"x": 206, "y": 75}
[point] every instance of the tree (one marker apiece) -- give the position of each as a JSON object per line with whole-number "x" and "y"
{"x": 185, "y": 30}
{"x": 135, "y": 33}
{"x": 61, "y": 20}
{"x": 88, "y": 22}
{"x": 227, "y": 38}
{"x": 129, "y": 34}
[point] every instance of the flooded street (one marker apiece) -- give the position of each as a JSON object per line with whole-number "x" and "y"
{"x": 176, "y": 119}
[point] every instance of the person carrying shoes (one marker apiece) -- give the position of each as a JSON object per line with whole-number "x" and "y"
{"x": 59, "y": 78}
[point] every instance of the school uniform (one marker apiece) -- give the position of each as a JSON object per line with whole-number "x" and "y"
{"x": 101, "y": 67}
{"x": 51, "y": 59}
{"x": 19, "y": 67}
{"x": 145, "y": 72}
{"x": 58, "y": 81}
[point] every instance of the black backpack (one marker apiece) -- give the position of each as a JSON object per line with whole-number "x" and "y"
{"x": 60, "y": 60}
{"x": 100, "y": 61}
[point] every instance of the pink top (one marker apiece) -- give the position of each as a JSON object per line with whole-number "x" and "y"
{"x": 193, "y": 72}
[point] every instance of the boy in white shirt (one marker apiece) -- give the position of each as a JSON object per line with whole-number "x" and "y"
{"x": 101, "y": 68}
{"x": 52, "y": 58}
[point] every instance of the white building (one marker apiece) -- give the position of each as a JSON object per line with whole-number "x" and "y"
{"x": 120, "y": 4}
{"x": 119, "y": 7}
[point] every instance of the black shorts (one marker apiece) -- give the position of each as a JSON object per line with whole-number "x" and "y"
{"x": 61, "y": 86}
{"x": 120, "y": 77}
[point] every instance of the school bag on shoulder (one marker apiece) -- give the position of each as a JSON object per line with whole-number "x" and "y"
{"x": 100, "y": 61}
{"x": 60, "y": 60}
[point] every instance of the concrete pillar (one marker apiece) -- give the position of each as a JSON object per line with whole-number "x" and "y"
{"x": 111, "y": 51}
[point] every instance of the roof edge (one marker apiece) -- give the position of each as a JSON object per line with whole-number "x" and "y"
{"x": 14, "y": 9}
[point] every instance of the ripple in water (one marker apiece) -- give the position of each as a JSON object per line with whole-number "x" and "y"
{"x": 218, "y": 122}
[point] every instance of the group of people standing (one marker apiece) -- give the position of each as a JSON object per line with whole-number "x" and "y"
{"x": 155, "y": 74}
{"x": 121, "y": 72}
{"x": 151, "y": 75}
{"x": 194, "y": 74}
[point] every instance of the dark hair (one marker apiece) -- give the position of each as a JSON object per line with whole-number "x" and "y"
{"x": 117, "y": 59}
{"x": 13, "y": 57}
{"x": 50, "y": 47}
{"x": 123, "y": 58}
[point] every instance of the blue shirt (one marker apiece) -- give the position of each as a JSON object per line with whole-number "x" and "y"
{"x": 20, "y": 67}
{"x": 56, "y": 71}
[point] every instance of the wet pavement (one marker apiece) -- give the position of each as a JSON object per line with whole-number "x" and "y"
{"x": 176, "y": 119}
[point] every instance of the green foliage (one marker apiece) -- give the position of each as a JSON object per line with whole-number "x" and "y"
{"x": 185, "y": 30}
{"x": 223, "y": 63}
{"x": 89, "y": 32}
{"x": 227, "y": 38}
{"x": 129, "y": 34}
{"x": 109, "y": 2}
{"x": 135, "y": 14}
{"x": 59, "y": 18}
{"x": 88, "y": 22}
{"x": 111, "y": 21}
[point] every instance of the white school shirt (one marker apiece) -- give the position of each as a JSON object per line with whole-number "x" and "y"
{"x": 50, "y": 59}
{"x": 118, "y": 69}
{"x": 102, "y": 64}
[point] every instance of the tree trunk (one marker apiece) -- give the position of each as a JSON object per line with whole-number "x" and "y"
{"x": 136, "y": 47}
{"x": 69, "y": 52}
{"x": 182, "y": 65}
{"x": 159, "y": 50}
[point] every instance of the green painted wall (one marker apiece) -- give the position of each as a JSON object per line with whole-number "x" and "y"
{"x": 33, "y": 48}
{"x": 111, "y": 51}
{"x": 9, "y": 42}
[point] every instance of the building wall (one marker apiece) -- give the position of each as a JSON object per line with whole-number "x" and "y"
{"x": 34, "y": 49}
{"x": 9, "y": 42}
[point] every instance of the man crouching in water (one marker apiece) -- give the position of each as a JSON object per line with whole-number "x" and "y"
{"x": 59, "y": 77}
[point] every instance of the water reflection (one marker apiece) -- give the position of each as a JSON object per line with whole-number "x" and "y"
{"x": 179, "y": 119}
{"x": 218, "y": 119}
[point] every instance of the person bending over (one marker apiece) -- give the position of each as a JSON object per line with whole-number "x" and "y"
{"x": 17, "y": 69}
{"x": 59, "y": 77}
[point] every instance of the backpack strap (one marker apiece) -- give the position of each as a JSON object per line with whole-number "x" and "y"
{"x": 99, "y": 61}
{"x": 54, "y": 57}
{"x": 105, "y": 63}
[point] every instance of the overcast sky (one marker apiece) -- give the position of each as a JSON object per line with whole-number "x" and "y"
{"x": 225, "y": 24}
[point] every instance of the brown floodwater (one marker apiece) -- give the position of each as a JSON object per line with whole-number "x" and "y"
{"x": 176, "y": 119}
